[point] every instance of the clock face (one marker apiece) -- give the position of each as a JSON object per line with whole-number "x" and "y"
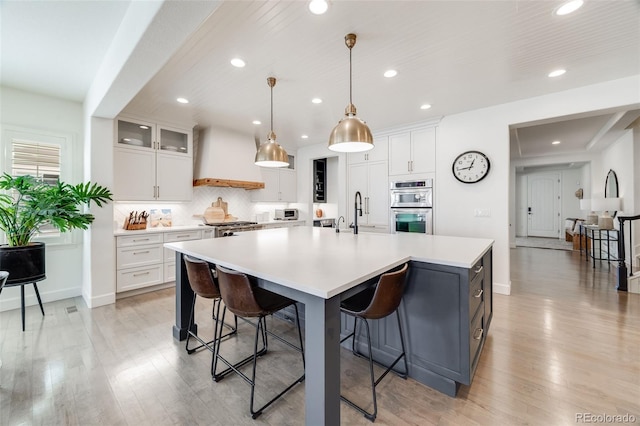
{"x": 471, "y": 167}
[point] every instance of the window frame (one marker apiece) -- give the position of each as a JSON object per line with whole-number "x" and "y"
{"x": 66, "y": 142}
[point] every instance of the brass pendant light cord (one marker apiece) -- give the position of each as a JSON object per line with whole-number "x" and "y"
{"x": 350, "y": 78}
{"x": 271, "y": 85}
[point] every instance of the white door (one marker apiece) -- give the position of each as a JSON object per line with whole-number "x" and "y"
{"x": 271, "y": 179}
{"x": 134, "y": 174}
{"x": 378, "y": 195}
{"x": 544, "y": 205}
{"x": 287, "y": 185}
{"x": 522, "y": 200}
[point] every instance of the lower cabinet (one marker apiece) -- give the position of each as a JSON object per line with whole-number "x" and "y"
{"x": 445, "y": 313}
{"x": 142, "y": 261}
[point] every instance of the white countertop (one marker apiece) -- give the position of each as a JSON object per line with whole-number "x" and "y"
{"x": 324, "y": 263}
{"x": 179, "y": 228}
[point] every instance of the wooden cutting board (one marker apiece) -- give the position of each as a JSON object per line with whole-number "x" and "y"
{"x": 214, "y": 215}
{"x": 222, "y": 204}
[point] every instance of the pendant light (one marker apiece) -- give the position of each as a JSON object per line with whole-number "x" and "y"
{"x": 270, "y": 153}
{"x": 351, "y": 134}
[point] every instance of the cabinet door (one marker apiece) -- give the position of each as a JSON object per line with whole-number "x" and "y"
{"x": 381, "y": 150}
{"x": 399, "y": 154}
{"x": 177, "y": 141}
{"x": 174, "y": 177}
{"x": 134, "y": 174}
{"x": 287, "y": 185}
{"x": 378, "y": 195}
{"x": 358, "y": 181}
{"x": 271, "y": 179}
{"x": 135, "y": 134}
{"x": 423, "y": 150}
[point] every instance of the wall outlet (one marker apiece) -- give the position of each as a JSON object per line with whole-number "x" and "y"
{"x": 482, "y": 212}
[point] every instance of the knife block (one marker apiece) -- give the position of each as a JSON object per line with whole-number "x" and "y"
{"x": 134, "y": 226}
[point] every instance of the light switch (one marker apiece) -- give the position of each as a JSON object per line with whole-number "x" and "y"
{"x": 482, "y": 212}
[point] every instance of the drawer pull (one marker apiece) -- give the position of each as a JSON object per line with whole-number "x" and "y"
{"x": 141, "y": 273}
{"x": 477, "y": 335}
{"x": 141, "y": 239}
{"x": 141, "y": 252}
{"x": 182, "y": 236}
{"x": 478, "y": 293}
{"x": 477, "y": 271}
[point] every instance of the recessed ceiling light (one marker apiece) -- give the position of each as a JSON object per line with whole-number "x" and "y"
{"x": 390, "y": 73}
{"x": 144, "y": 127}
{"x": 183, "y": 100}
{"x": 316, "y": 100}
{"x": 256, "y": 122}
{"x": 237, "y": 62}
{"x": 568, "y": 7}
{"x": 555, "y": 143}
{"x": 425, "y": 106}
{"x": 557, "y": 73}
{"x": 305, "y": 136}
{"x": 318, "y": 7}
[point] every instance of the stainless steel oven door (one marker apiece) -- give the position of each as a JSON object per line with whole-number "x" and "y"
{"x": 412, "y": 220}
{"x": 418, "y": 198}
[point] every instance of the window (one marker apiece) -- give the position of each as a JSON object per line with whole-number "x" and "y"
{"x": 42, "y": 154}
{"x": 41, "y": 160}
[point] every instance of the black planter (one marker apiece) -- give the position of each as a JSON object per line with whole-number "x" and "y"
{"x": 25, "y": 264}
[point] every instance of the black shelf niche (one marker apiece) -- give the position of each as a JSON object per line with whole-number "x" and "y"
{"x": 320, "y": 180}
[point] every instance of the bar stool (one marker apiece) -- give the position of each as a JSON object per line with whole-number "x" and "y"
{"x": 248, "y": 301}
{"x": 203, "y": 284}
{"x": 376, "y": 302}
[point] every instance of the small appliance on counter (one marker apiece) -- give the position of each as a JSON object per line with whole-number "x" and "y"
{"x": 286, "y": 214}
{"x": 325, "y": 223}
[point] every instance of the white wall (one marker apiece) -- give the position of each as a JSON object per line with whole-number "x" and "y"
{"x": 487, "y": 130}
{"x": 64, "y": 263}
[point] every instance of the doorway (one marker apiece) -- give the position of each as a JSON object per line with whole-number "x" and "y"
{"x": 543, "y": 205}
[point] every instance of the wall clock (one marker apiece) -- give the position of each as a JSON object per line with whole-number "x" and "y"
{"x": 471, "y": 167}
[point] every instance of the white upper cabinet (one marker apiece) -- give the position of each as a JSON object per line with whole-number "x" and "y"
{"x": 412, "y": 152}
{"x": 280, "y": 184}
{"x": 152, "y": 162}
{"x": 380, "y": 152}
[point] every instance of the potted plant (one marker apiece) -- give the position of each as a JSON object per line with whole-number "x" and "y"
{"x": 30, "y": 203}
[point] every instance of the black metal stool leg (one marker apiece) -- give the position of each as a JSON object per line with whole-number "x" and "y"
{"x": 22, "y": 304}
{"x": 35, "y": 287}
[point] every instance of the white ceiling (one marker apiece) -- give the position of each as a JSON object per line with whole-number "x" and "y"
{"x": 455, "y": 55}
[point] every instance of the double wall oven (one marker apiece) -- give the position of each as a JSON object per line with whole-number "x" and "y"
{"x": 412, "y": 206}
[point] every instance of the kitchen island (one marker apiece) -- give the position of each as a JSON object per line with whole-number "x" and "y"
{"x": 447, "y": 304}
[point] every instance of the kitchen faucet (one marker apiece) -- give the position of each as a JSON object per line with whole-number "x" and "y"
{"x": 356, "y": 211}
{"x": 338, "y": 223}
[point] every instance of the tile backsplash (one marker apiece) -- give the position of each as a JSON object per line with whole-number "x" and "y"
{"x": 238, "y": 200}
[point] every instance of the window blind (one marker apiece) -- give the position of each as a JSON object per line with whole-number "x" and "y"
{"x": 40, "y": 160}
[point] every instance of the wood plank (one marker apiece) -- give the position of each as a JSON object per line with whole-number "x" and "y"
{"x": 228, "y": 183}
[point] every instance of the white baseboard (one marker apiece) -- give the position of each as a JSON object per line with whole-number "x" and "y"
{"x": 633, "y": 284}
{"x": 9, "y": 303}
{"x": 502, "y": 288}
{"x": 137, "y": 291}
{"x": 103, "y": 299}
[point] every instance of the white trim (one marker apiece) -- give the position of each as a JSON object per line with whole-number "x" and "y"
{"x": 9, "y": 303}
{"x": 94, "y": 302}
{"x": 502, "y": 288}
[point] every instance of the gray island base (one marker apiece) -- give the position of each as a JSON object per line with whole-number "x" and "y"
{"x": 446, "y": 310}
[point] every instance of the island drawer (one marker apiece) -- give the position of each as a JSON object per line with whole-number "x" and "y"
{"x": 476, "y": 269}
{"x": 476, "y": 294}
{"x": 476, "y": 335}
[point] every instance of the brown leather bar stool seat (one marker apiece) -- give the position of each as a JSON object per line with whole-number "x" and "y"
{"x": 374, "y": 303}
{"x": 249, "y": 301}
{"x": 203, "y": 284}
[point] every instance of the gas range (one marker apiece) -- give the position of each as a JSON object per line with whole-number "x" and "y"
{"x": 227, "y": 229}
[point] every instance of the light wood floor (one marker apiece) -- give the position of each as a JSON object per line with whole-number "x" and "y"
{"x": 565, "y": 342}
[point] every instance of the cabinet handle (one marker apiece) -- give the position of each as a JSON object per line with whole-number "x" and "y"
{"x": 183, "y": 236}
{"x": 408, "y": 166}
{"x": 141, "y": 239}
{"x": 140, "y": 252}
{"x": 477, "y": 335}
{"x": 477, "y": 271}
{"x": 141, "y": 273}
{"x": 158, "y": 192}
{"x": 479, "y": 293}
{"x": 411, "y": 165}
